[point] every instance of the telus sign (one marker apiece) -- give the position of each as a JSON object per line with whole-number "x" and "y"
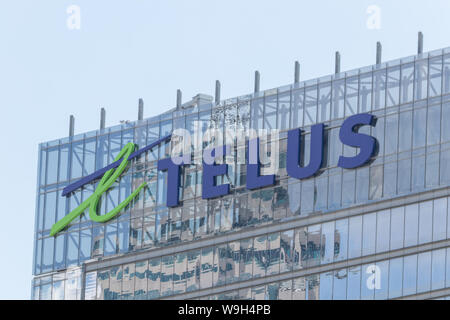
{"x": 348, "y": 135}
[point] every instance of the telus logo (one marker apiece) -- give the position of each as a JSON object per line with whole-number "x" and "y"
{"x": 109, "y": 175}
{"x": 348, "y": 135}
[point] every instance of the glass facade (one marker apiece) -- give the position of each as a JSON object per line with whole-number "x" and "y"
{"x": 410, "y": 98}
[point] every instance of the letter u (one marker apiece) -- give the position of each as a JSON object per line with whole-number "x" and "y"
{"x": 293, "y": 157}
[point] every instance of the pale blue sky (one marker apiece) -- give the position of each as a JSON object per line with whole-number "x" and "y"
{"x": 148, "y": 48}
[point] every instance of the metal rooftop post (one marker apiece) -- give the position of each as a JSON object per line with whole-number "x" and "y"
{"x": 141, "y": 109}
{"x": 178, "y": 99}
{"x": 337, "y": 62}
{"x": 102, "y": 118}
{"x": 71, "y": 125}
{"x": 378, "y": 59}
{"x": 217, "y": 92}
{"x": 297, "y": 72}
{"x": 420, "y": 43}
{"x": 257, "y": 80}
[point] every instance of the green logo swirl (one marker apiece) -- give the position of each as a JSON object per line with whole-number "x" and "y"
{"x": 105, "y": 183}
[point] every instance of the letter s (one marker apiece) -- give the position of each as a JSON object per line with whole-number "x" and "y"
{"x": 349, "y": 135}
